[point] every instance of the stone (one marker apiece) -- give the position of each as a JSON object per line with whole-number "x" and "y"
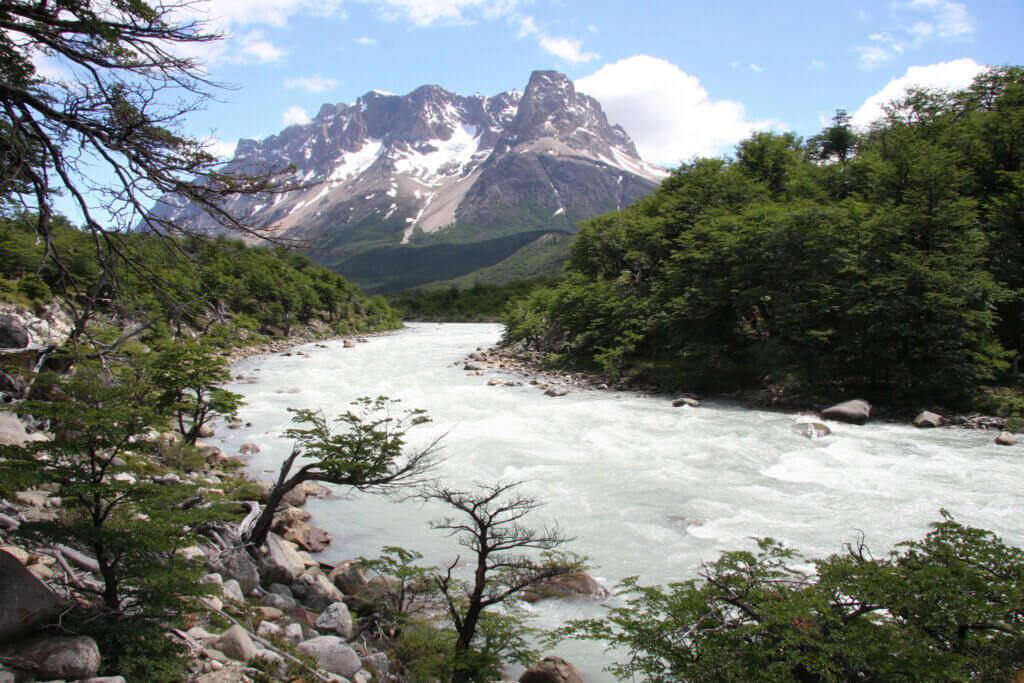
{"x": 551, "y": 670}
{"x": 573, "y": 586}
{"x": 495, "y": 382}
{"x": 215, "y": 579}
{"x": 379, "y": 664}
{"x": 288, "y": 516}
{"x": 280, "y": 589}
{"x": 320, "y": 592}
{"x": 238, "y": 565}
{"x": 53, "y": 657}
{"x": 281, "y": 563}
{"x": 104, "y": 679}
{"x": 233, "y": 591}
{"x": 336, "y": 618}
{"x": 269, "y": 629}
{"x": 281, "y": 602}
{"x": 349, "y": 578}
{"x": 857, "y": 411}
{"x": 812, "y": 430}
{"x": 13, "y": 333}
{"x": 927, "y": 419}
{"x": 215, "y": 655}
{"x": 349, "y": 344}
{"x": 293, "y": 633}
{"x": 236, "y": 644}
{"x": 1006, "y": 439}
{"x": 556, "y": 391}
{"x": 248, "y": 448}
{"x": 268, "y": 613}
{"x": 688, "y": 401}
{"x": 333, "y": 654}
{"x": 205, "y": 431}
{"x": 25, "y": 602}
{"x": 308, "y": 537}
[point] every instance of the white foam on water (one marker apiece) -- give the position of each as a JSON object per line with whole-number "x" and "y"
{"x": 646, "y": 489}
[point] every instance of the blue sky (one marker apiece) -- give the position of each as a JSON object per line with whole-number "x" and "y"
{"x": 684, "y": 78}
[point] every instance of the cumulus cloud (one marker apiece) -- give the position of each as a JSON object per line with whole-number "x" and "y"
{"x": 222, "y": 149}
{"x": 256, "y": 47}
{"x": 315, "y": 83}
{"x": 666, "y": 111}
{"x": 954, "y": 75}
{"x": 227, "y": 13}
{"x": 295, "y": 116}
{"x": 563, "y": 47}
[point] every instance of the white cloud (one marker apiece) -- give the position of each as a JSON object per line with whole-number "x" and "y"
{"x": 315, "y": 83}
{"x": 527, "y": 27}
{"x": 366, "y": 40}
{"x": 916, "y": 22}
{"x": 568, "y": 49}
{"x": 256, "y": 47}
{"x": 872, "y": 56}
{"x": 227, "y": 13}
{"x": 757, "y": 68}
{"x": 295, "y": 115}
{"x": 222, "y": 149}
{"x": 951, "y": 19}
{"x": 427, "y": 12}
{"x": 666, "y": 111}
{"x": 954, "y": 75}
{"x": 818, "y": 64}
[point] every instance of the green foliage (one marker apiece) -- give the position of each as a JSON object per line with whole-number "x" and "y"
{"x": 886, "y": 264}
{"x": 186, "y": 375}
{"x": 943, "y": 608}
{"x": 478, "y": 302}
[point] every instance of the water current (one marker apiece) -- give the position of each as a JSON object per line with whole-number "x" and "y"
{"x": 644, "y": 488}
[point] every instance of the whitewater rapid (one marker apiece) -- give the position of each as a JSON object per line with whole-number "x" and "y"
{"x": 644, "y": 488}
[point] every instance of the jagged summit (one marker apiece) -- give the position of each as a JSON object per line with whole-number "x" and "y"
{"x": 386, "y": 167}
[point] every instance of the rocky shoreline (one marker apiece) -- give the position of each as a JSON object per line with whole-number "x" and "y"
{"x": 530, "y": 367}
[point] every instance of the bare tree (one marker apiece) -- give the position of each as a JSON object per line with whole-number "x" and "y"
{"x": 490, "y": 525}
{"x": 368, "y": 454}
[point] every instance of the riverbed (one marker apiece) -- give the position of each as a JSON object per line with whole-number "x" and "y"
{"x": 644, "y": 488}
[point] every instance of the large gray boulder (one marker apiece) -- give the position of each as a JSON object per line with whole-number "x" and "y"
{"x": 236, "y": 643}
{"x": 926, "y": 419}
{"x": 332, "y": 653}
{"x": 573, "y": 586}
{"x": 349, "y": 577}
{"x": 237, "y": 564}
{"x": 318, "y": 592}
{"x": 281, "y": 562}
{"x": 857, "y": 411}
{"x": 25, "y": 601}
{"x": 551, "y": 670}
{"x": 337, "y": 619}
{"x": 13, "y": 432}
{"x": 1006, "y": 439}
{"x": 13, "y": 334}
{"x": 56, "y": 657}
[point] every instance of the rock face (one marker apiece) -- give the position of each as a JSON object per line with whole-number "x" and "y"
{"x": 13, "y": 334}
{"x": 333, "y": 654}
{"x": 551, "y": 670}
{"x": 502, "y": 170}
{"x": 25, "y": 602}
{"x": 575, "y": 586}
{"x": 857, "y": 411}
{"x": 57, "y": 657}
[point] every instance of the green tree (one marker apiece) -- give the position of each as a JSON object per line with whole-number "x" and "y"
{"x": 187, "y": 375}
{"x": 367, "y": 454}
{"x": 943, "y": 608}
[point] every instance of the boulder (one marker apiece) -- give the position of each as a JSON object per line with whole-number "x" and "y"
{"x": 573, "y": 586}
{"x": 248, "y": 448}
{"x": 281, "y": 563}
{"x": 205, "y": 431}
{"x": 55, "y": 657}
{"x": 281, "y": 602}
{"x": 308, "y": 537}
{"x": 288, "y": 516}
{"x": 349, "y": 578}
{"x": 551, "y": 670}
{"x": 333, "y": 654}
{"x": 812, "y": 430}
{"x": 1006, "y": 439}
{"x": 269, "y": 629}
{"x": 378, "y": 663}
{"x": 238, "y": 565}
{"x": 236, "y": 644}
{"x": 13, "y": 334}
{"x": 688, "y": 401}
{"x": 927, "y": 419}
{"x": 319, "y": 592}
{"x": 495, "y": 382}
{"x": 233, "y": 591}
{"x": 104, "y": 679}
{"x": 25, "y": 601}
{"x": 13, "y": 432}
{"x": 857, "y": 411}
{"x": 337, "y": 619}
{"x": 556, "y": 391}
{"x": 349, "y": 344}
{"x": 293, "y": 633}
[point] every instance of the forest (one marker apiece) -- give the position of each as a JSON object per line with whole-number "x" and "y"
{"x": 886, "y": 263}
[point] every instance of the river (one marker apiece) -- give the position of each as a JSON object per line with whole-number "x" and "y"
{"x": 644, "y": 488}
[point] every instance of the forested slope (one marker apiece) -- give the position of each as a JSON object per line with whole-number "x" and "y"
{"x": 887, "y": 262}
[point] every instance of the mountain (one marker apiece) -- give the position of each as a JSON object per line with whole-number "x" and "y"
{"x": 404, "y": 190}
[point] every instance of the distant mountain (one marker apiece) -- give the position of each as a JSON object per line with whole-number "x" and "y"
{"x": 429, "y": 186}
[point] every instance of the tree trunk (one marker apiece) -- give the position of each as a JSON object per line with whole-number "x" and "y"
{"x": 258, "y": 535}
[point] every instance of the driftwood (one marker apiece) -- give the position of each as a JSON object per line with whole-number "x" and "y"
{"x": 79, "y": 559}
{"x": 8, "y": 522}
